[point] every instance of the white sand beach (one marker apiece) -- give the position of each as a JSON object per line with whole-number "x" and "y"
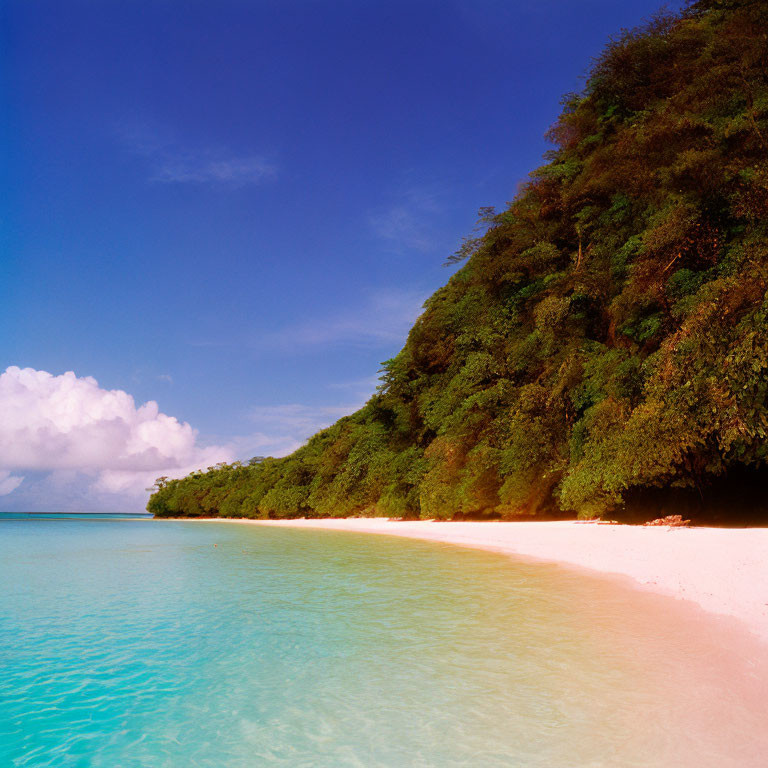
{"x": 723, "y": 570}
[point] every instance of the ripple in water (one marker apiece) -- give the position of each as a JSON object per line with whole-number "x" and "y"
{"x": 142, "y": 644}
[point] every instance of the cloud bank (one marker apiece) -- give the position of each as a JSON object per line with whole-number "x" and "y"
{"x": 65, "y": 426}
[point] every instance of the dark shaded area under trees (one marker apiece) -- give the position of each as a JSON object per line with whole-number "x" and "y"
{"x": 604, "y": 349}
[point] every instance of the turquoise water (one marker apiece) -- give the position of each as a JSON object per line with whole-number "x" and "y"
{"x": 73, "y": 516}
{"x": 149, "y": 643}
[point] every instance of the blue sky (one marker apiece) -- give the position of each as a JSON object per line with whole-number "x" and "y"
{"x": 236, "y": 208}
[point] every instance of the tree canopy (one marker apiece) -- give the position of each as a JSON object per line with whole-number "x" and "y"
{"x": 607, "y": 334}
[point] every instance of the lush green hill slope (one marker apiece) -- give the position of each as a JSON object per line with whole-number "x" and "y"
{"x": 608, "y": 335}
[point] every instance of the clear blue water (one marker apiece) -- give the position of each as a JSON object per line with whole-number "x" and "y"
{"x": 74, "y": 516}
{"x": 149, "y": 643}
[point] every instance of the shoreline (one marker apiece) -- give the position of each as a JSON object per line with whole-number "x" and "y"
{"x": 722, "y": 570}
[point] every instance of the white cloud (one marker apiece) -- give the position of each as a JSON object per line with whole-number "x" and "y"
{"x": 381, "y": 322}
{"x": 295, "y": 418}
{"x": 170, "y": 162}
{"x": 363, "y": 387}
{"x": 69, "y": 426}
{"x": 281, "y": 429}
{"x": 216, "y": 168}
{"x": 386, "y": 318}
{"x": 68, "y": 444}
{"x": 408, "y": 224}
{"x": 8, "y": 482}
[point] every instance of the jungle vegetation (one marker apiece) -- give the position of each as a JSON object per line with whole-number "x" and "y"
{"x": 606, "y": 337}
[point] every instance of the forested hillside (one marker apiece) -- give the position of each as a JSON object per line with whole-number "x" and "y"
{"x": 608, "y": 334}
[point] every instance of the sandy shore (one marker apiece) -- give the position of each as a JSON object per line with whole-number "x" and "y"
{"x": 725, "y": 571}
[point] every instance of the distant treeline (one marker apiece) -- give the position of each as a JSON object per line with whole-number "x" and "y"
{"x": 608, "y": 333}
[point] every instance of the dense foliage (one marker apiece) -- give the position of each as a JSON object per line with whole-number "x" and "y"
{"x": 609, "y": 332}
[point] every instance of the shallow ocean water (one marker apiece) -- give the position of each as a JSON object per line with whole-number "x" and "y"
{"x": 140, "y": 643}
